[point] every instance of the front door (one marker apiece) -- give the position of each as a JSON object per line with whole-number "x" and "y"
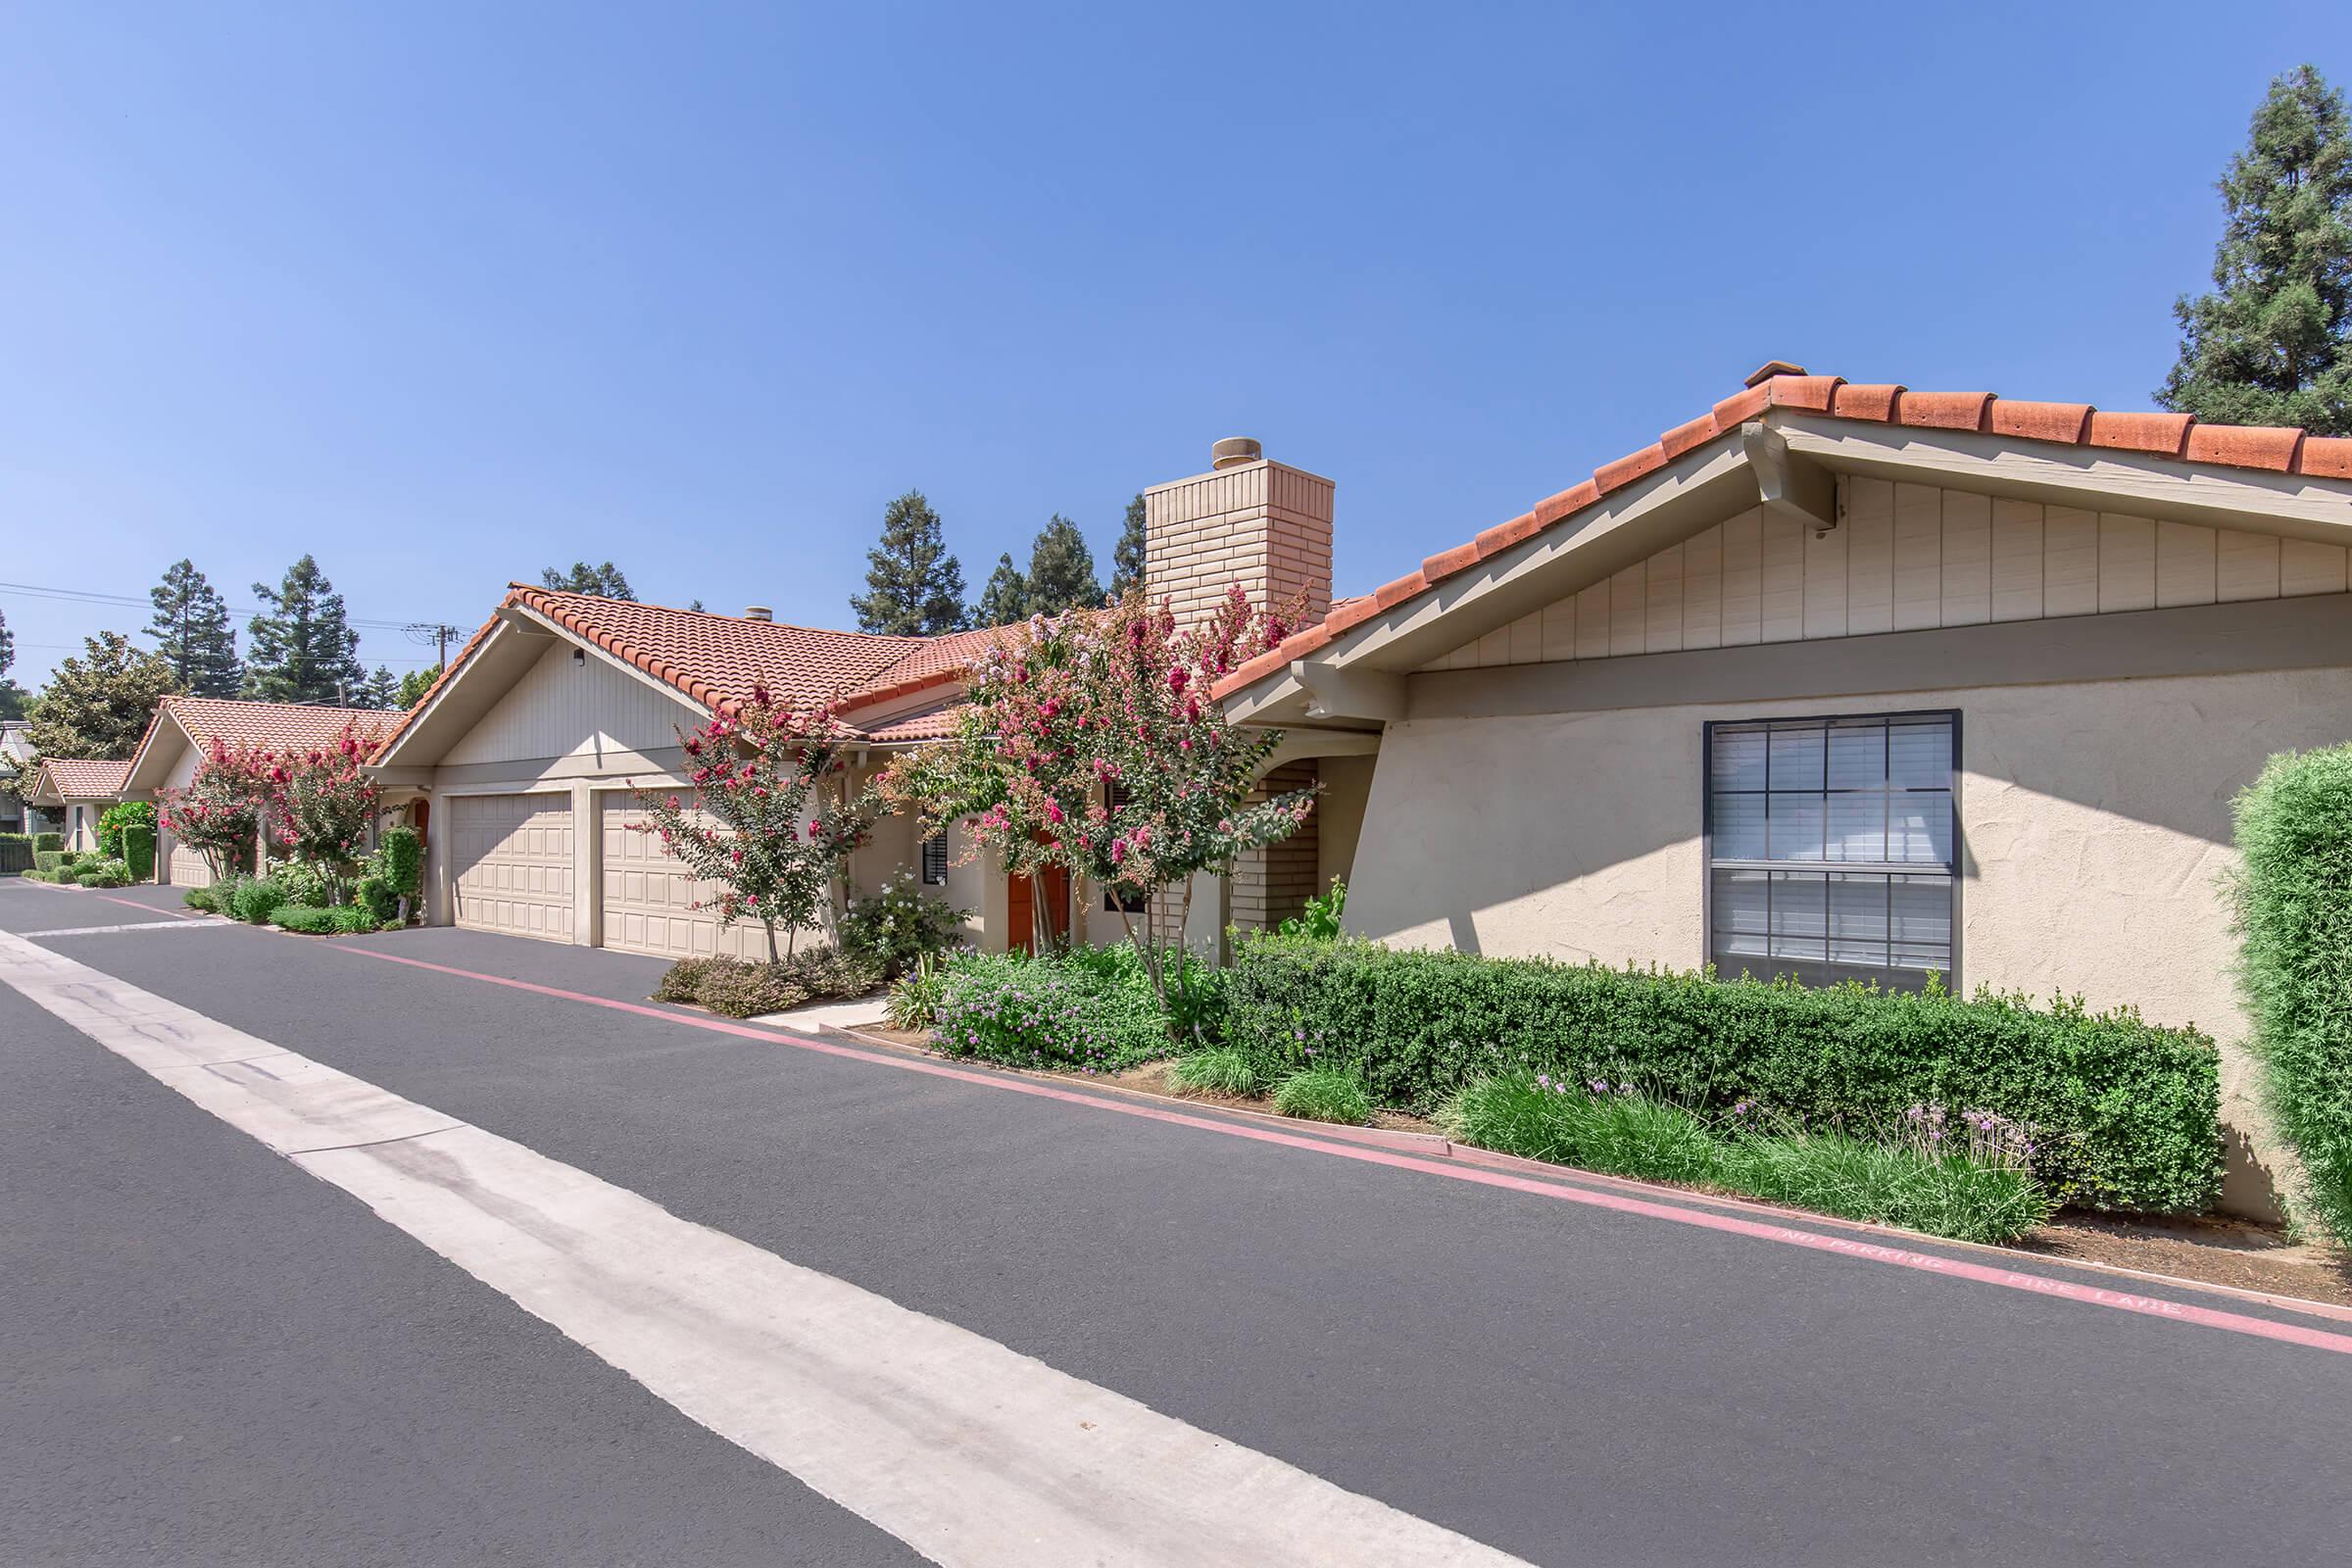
{"x": 1020, "y": 907}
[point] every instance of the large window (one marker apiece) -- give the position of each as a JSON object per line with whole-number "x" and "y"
{"x": 1831, "y": 847}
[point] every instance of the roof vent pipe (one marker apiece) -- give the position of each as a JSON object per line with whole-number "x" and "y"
{"x": 1233, "y": 451}
{"x": 757, "y": 613}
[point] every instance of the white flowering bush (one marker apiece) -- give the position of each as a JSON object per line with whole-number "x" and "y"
{"x": 898, "y": 923}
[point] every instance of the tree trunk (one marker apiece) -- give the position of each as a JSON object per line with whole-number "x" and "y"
{"x": 769, "y": 923}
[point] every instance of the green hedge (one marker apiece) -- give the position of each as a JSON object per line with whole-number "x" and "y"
{"x": 2294, "y": 918}
{"x": 1091, "y": 1009}
{"x": 2128, "y": 1115}
{"x": 48, "y": 841}
{"x": 45, "y": 861}
{"x": 139, "y": 852}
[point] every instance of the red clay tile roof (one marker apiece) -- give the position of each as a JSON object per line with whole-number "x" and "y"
{"x": 716, "y": 660}
{"x": 2275, "y": 450}
{"x": 80, "y": 779}
{"x": 273, "y": 726}
{"x": 930, "y": 723}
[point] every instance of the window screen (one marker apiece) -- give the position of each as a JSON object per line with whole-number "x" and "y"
{"x": 935, "y": 860}
{"x": 1831, "y": 850}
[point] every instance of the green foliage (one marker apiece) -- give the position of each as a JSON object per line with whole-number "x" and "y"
{"x": 375, "y": 896}
{"x": 1127, "y": 556}
{"x": 350, "y": 919}
{"x": 192, "y": 632}
{"x": 734, "y": 989}
{"x": 1966, "y": 1177}
{"x": 138, "y": 851}
{"x": 1004, "y": 598}
{"x": 103, "y": 874}
{"x": 98, "y": 702}
{"x": 48, "y": 841}
{"x": 399, "y": 862}
{"x": 117, "y": 816}
{"x": 307, "y": 919}
{"x": 913, "y": 1001}
{"x": 48, "y": 861}
{"x": 1323, "y": 1094}
{"x": 306, "y": 883}
{"x": 1091, "y": 1009}
{"x": 1220, "y": 1070}
{"x": 1062, "y": 571}
{"x": 604, "y": 581}
{"x": 2293, "y": 898}
{"x": 914, "y": 588}
{"x": 205, "y": 900}
{"x": 414, "y": 685}
{"x": 2130, "y": 1113}
{"x": 300, "y": 644}
{"x": 254, "y": 899}
{"x": 1319, "y": 921}
{"x": 2273, "y": 343}
{"x": 898, "y": 924}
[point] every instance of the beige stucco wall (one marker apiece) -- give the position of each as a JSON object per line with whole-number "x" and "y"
{"x": 2094, "y": 827}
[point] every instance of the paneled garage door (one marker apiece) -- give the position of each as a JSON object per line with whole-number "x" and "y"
{"x": 646, "y": 899}
{"x": 187, "y": 868}
{"x": 512, "y": 854}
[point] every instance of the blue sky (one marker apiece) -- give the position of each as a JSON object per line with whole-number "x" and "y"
{"x": 443, "y": 293}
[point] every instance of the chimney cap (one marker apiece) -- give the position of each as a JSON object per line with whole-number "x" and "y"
{"x": 1772, "y": 368}
{"x": 1233, "y": 451}
{"x": 757, "y": 613}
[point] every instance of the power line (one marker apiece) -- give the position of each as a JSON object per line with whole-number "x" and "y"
{"x": 26, "y": 590}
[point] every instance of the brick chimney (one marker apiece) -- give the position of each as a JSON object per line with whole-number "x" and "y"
{"x": 1250, "y": 519}
{"x": 1267, "y": 526}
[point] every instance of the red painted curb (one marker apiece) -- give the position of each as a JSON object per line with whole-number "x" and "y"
{"x": 1619, "y": 1202}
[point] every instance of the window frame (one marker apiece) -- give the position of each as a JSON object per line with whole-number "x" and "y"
{"x": 923, "y": 857}
{"x": 1706, "y": 824}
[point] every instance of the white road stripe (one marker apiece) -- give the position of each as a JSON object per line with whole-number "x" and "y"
{"x": 968, "y": 1452}
{"x": 135, "y": 925}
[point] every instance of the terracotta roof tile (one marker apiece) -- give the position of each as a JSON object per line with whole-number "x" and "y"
{"x": 1779, "y": 385}
{"x": 82, "y": 779}
{"x": 923, "y": 724}
{"x": 273, "y": 726}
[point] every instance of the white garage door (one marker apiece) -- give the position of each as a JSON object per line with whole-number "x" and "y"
{"x": 187, "y": 868}
{"x": 511, "y": 855}
{"x": 647, "y": 900}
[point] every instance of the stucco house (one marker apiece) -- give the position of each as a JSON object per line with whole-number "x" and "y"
{"x": 72, "y": 792}
{"x": 1840, "y": 681}
{"x": 16, "y": 763}
{"x": 182, "y": 732}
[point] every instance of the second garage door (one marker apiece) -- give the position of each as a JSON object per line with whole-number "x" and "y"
{"x": 512, "y": 860}
{"x": 648, "y": 905}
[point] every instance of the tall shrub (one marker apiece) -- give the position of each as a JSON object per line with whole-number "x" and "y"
{"x": 115, "y": 819}
{"x": 2293, "y": 898}
{"x": 322, "y": 801}
{"x": 218, "y": 814}
{"x": 772, "y": 820}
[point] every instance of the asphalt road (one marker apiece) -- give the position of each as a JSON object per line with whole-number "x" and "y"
{"x": 208, "y": 1356}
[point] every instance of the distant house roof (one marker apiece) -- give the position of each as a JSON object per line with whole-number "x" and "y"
{"x": 2272, "y": 449}
{"x": 267, "y": 726}
{"x": 716, "y": 660}
{"x": 70, "y": 778}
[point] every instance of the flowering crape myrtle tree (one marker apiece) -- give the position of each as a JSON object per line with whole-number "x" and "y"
{"x": 772, "y": 820}
{"x": 322, "y": 801}
{"x": 1092, "y": 743}
{"x": 220, "y": 814}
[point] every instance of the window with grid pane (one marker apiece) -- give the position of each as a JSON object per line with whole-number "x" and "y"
{"x": 935, "y": 860}
{"x": 1831, "y": 851}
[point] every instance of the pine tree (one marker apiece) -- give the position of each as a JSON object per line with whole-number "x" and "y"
{"x": 192, "y": 632}
{"x": 913, "y": 586}
{"x": 98, "y": 702}
{"x": 1127, "y": 556}
{"x": 302, "y": 648}
{"x": 1004, "y": 599}
{"x": 604, "y": 581}
{"x": 380, "y": 690}
{"x": 2273, "y": 343}
{"x": 1062, "y": 571}
{"x": 11, "y": 696}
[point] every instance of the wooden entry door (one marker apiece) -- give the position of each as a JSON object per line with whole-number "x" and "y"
{"x": 1019, "y": 911}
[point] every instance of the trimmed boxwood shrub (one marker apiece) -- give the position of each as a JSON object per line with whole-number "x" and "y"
{"x": 45, "y": 861}
{"x": 102, "y": 873}
{"x": 48, "y": 841}
{"x": 138, "y": 851}
{"x": 2128, "y": 1115}
{"x": 2293, "y": 896}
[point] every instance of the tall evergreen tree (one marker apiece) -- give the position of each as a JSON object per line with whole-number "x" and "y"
{"x": 604, "y": 581}
{"x": 1005, "y": 597}
{"x": 1062, "y": 571}
{"x": 414, "y": 685}
{"x": 913, "y": 586}
{"x": 11, "y": 696}
{"x": 2273, "y": 343}
{"x": 302, "y": 648}
{"x": 99, "y": 702}
{"x": 379, "y": 690}
{"x": 192, "y": 632}
{"x": 1127, "y": 556}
